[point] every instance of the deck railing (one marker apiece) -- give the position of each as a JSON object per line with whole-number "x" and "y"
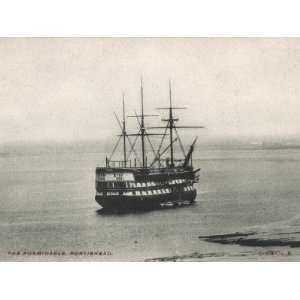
{"x": 163, "y": 163}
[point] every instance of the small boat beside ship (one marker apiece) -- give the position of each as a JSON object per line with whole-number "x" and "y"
{"x": 138, "y": 183}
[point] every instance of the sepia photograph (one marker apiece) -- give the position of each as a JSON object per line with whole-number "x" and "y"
{"x": 149, "y": 149}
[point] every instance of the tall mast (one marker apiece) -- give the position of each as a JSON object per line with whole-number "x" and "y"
{"x": 124, "y": 134}
{"x": 171, "y": 126}
{"x": 142, "y": 125}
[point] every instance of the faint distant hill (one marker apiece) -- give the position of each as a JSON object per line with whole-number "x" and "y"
{"x": 47, "y": 147}
{"x": 252, "y": 143}
{"x": 106, "y": 145}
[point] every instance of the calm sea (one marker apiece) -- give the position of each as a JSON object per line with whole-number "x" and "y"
{"x": 48, "y": 211}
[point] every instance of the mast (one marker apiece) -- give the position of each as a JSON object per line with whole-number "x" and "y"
{"x": 142, "y": 125}
{"x": 124, "y": 134}
{"x": 171, "y": 125}
{"x": 142, "y": 130}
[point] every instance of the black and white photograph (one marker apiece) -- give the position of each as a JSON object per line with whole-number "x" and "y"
{"x": 149, "y": 149}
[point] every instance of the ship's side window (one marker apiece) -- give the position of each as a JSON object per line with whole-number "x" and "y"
{"x": 127, "y": 193}
{"x": 120, "y": 185}
{"x": 144, "y": 193}
{"x": 149, "y": 192}
{"x": 143, "y": 184}
{"x": 154, "y": 192}
{"x": 138, "y": 184}
{"x": 138, "y": 193}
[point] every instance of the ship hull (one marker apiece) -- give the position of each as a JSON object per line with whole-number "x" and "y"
{"x": 138, "y": 203}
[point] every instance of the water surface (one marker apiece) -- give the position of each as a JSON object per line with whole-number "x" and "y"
{"x": 47, "y": 204}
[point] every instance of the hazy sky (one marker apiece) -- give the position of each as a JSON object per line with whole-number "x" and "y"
{"x": 67, "y": 89}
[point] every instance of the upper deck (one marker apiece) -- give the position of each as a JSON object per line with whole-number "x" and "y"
{"x": 144, "y": 174}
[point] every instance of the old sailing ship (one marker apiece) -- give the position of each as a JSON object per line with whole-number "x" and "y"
{"x": 134, "y": 184}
